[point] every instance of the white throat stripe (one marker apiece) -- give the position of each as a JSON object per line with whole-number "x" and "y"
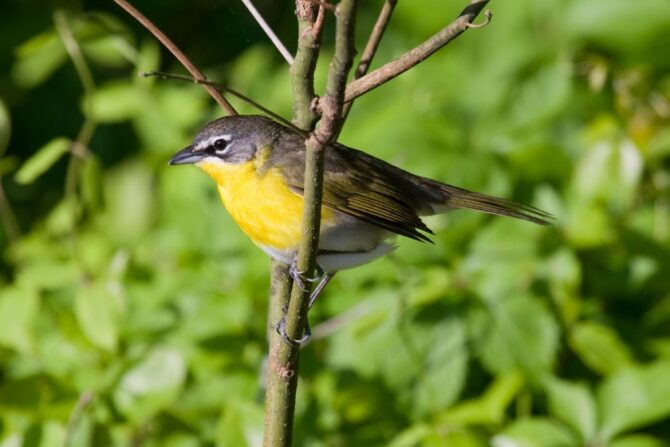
{"x": 209, "y": 141}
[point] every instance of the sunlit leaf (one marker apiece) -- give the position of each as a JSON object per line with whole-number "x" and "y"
{"x": 490, "y": 407}
{"x": 241, "y": 424}
{"x": 98, "y": 314}
{"x": 18, "y": 311}
{"x": 534, "y": 432}
{"x": 37, "y": 59}
{"x": 92, "y": 179}
{"x": 638, "y": 440}
{"x": 114, "y": 102}
{"x": 574, "y": 404}
{"x": 151, "y": 385}
{"x": 599, "y": 347}
{"x": 42, "y": 160}
{"x": 634, "y": 397}
{"x": 517, "y": 333}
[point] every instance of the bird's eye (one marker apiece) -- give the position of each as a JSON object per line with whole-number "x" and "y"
{"x": 220, "y": 144}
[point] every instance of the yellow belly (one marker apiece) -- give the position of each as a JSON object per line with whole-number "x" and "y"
{"x": 262, "y": 205}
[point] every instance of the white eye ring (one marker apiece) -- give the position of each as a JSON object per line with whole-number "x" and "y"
{"x": 220, "y": 145}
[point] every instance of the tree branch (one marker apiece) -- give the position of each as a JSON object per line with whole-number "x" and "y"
{"x": 372, "y": 45}
{"x": 302, "y": 70}
{"x": 176, "y": 52}
{"x": 268, "y": 31}
{"x": 281, "y": 383}
{"x": 417, "y": 55}
{"x": 283, "y": 358}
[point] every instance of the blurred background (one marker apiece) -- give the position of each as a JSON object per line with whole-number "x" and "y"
{"x": 133, "y": 310}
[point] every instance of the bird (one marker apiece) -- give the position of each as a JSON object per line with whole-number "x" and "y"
{"x": 258, "y": 165}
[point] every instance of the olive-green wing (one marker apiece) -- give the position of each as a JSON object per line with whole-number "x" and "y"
{"x": 364, "y": 187}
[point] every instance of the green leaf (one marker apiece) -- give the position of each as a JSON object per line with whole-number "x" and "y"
{"x": 48, "y": 274}
{"x": 91, "y": 178}
{"x": 534, "y": 432}
{"x": 241, "y": 424}
{"x": 412, "y": 436}
{"x": 38, "y": 59}
{"x": 445, "y": 365}
{"x": 18, "y": 311}
{"x": 52, "y": 434}
{"x": 98, "y": 314}
{"x": 609, "y": 171}
{"x": 644, "y": 22}
{"x": 638, "y": 440}
{"x": 110, "y": 50}
{"x": 151, "y": 385}
{"x": 574, "y": 404}
{"x": 599, "y": 347}
{"x": 116, "y": 101}
{"x": 429, "y": 365}
{"x": 490, "y": 407}
{"x": 517, "y": 333}
{"x": 42, "y": 160}
{"x": 633, "y": 398}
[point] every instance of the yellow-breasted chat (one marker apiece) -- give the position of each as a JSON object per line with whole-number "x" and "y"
{"x": 258, "y": 165}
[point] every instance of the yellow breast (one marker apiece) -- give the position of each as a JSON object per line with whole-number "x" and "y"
{"x": 262, "y": 204}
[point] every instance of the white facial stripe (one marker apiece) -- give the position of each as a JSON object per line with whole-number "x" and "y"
{"x": 211, "y": 161}
{"x": 209, "y": 141}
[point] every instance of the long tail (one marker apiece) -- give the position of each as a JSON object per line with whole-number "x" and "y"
{"x": 454, "y": 197}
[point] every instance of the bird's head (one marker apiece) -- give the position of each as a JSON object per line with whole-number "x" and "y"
{"x": 228, "y": 141}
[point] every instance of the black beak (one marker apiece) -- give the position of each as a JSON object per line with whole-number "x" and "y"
{"x": 185, "y": 156}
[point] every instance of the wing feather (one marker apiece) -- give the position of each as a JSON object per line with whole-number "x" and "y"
{"x": 356, "y": 185}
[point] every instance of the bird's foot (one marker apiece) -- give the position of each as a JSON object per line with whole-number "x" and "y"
{"x": 301, "y": 279}
{"x": 281, "y": 330}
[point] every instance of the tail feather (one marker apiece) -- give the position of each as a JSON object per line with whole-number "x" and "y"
{"x": 462, "y": 198}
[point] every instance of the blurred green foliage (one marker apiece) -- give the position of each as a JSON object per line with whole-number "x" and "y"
{"x": 133, "y": 311}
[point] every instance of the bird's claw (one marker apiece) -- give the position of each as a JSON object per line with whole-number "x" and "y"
{"x": 301, "y": 279}
{"x": 281, "y": 330}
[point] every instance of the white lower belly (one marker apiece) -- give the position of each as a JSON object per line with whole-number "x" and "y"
{"x": 334, "y": 261}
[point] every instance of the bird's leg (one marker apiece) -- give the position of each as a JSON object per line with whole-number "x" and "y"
{"x": 325, "y": 279}
{"x": 300, "y": 278}
{"x": 281, "y": 330}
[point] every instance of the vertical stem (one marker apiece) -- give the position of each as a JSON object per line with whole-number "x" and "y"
{"x": 281, "y": 376}
{"x": 283, "y": 358}
{"x": 304, "y": 64}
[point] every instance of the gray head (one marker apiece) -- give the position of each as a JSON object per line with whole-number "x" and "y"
{"x": 231, "y": 140}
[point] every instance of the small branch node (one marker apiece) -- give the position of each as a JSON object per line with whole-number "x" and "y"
{"x": 318, "y": 23}
{"x": 324, "y": 4}
{"x": 488, "y": 14}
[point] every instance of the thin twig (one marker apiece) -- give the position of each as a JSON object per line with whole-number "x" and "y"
{"x": 318, "y": 23}
{"x": 78, "y": 411}
{"x": 176, "y": 52}
{"x": 372, "y": 45}
{"x": 79, "y": 147}
{"x": 324, "y": 4}
{"x": 224, "y": 88}
{"x": 375, "y": 38}
{"x": 417, "y": 55}
{"x": 488, "y": 14}
{"x": 268, "y": 31}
